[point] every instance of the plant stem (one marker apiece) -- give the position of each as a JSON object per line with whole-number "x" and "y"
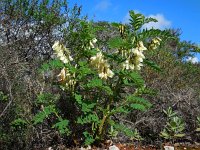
{"x": 108, "y": 113}
{"x": 101, "y": 125}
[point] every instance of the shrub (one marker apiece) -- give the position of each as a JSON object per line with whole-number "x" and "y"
{"x": 102, "y": 83}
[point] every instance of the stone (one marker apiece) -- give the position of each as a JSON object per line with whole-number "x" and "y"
{"x": 113, "y": 147}
{"x": 168, "y": 147}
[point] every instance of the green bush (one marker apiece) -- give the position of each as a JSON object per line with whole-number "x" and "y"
{"x": 102, "y": 83}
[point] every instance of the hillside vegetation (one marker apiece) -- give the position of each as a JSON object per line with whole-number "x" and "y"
{"x": 66, "y": 81}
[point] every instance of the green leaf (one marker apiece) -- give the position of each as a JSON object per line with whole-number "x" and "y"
{"x": 98, "y": 83}
{"x": 88, "y": 119}
{"x": 197, "y": 130}
{"x": 86, "y": 108}
{"x": 39, "y": 117}
{"x": 152, "y": 65}
{"x": 152, "y": 33}
{"x": 52, "y": 64}
{"x": 88, "y": 138}
{"x": 46, "y": 98}
{"x": 133, "y": 77}
{"x": 147, "y": 20}
{"x": 95, "y": 83}
{"x": 115, "y": 57}
{"x": 114, "y": 24}
{"x": 120, "y": 109}
{"x": 133, "y": 134}
{"x": 136, "y": 78}
{"x": 138, "y": 100}
{"x": 78, "y": 99}
{"x": 82, "y": 63}
{"x": 165, "y": 135}
{"x": 3, "y": 97}
{"x": 116, "y": 42}
{"x": 107, "y": 89}
{"x": 138, "y": 107}
{"x": 62, "y": 126}
{"x": 90, "y": 52}
{"x": 137, "y": 20}
{"x": 179, "y": 135}
{"x": 83, "y": 71}
{"x": 18, "y": 122}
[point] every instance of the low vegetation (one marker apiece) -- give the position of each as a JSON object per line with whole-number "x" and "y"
{"x": 68, "y": 81}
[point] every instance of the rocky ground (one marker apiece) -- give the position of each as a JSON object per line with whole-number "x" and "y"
{"x": 119, "y": 146}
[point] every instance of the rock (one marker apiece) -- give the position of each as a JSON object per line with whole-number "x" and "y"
{"x": 168, "y": 147}
{"x": 50, "y": 148}
{"x": 113, "y": 147}
{"x": 87, "y": 148}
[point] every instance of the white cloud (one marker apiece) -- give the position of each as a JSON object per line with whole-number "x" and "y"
{"x": 126, "y": 18}
{"x": 161, "y": 24}
{"x": 103, "y": 5}
{"x": 193, "y": 60}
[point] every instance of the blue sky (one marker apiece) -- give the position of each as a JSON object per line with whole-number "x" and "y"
{"x": 183, "y": 14}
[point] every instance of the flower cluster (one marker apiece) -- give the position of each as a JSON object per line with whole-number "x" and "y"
{"x": 155, "y": 43}
{"x": 64, "y": 77}
{"x": 102, "y": 66}
{"x": 135, "y": 57}
{"x": 62, "y": 52}
{"x": 67, "y": 79}
{"x": 92, "y": 42}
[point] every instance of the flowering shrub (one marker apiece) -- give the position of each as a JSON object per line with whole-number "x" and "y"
{"x": 103, "y": 82}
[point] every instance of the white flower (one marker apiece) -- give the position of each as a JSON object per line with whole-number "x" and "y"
{"x": 155, "y": 43}
{"x": 156, "y": 40}
{"x": 55, "y": 45}
{"x": 110, "y": 73}
{"x": 62, "y": 75}
{"x": 59, "y": 54}
{"x": 97, "y": 59}
{"x": 138, "y": 59}
{"x": 106, "y": 74}
{"x": 91, "y": 44}
{"x": 141, "y": 46}
{"x": 94, "y": 40}
{"x": 135, "y": 58}
{"x": 65, "y": 78}
{"x": 138, "y": 66}
{"x": 103, "y": 75}
{"x": 70, "y": 58}
{"x": 136, "y": 52}
{"x": 64, "y": 59}
{"x": 101, "y": 65}
{"x": 126, "y": 65}
{"x": 60, "y": 51}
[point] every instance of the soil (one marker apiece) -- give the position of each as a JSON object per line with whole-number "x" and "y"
{"x": 176, "y": 146}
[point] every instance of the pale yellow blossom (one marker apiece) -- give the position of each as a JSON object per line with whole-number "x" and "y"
{"x": 140, "y": 46}
{"x": 65, "y": 78}
{"x": 107, "y": 73}
{"x": 92, "y": 42}
{"x": 135, "y": 57}
{"x": 127, "y": 65}
{"x": 101, "y": 65}
{"x": 155, "y": 43}
{"x": 62, "y": 52}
